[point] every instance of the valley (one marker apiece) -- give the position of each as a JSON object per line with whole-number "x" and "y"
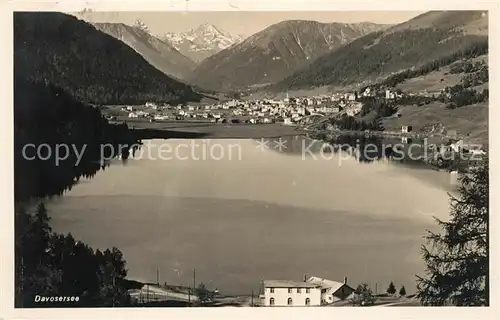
{"x": 135, "y": 87}
{"x": 295, "y": 57}
{"x": 275, "y": 53}
{"x": 162, "y": 55}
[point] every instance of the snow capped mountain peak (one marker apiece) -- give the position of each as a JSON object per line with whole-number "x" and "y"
{"x": 207, "y": 28}
{"x": 139, "y": 24}
{"x": 202, "y": 41}
{"x": 209, "y": 34}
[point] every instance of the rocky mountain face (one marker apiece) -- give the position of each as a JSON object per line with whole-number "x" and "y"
{"x": 431, "y": 36}
{"x": 275, "y": 53}
{"x": 160, "y": 54}
{"x": 202, "y": 42}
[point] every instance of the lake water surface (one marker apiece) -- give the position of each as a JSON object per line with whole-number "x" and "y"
{"x": 249, "y": 213}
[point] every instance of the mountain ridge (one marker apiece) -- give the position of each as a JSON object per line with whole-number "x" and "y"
{"x": 410, "y": 44}
{"x": 275, "y": 52}
{"x": 90, "y": 65}
{"x": 160, "y": 54}
{"x": 201, "y": 42}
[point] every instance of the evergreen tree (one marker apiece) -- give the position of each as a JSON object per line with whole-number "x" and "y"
{"x": 363, "y": 296}
{"x": 402, "y": 291}
{"x": 457, "y": 262}
{"x": 204, "y": 295}
{"x": 47, "y": 263}
{"x": 391, "y": 289}
{"x": 365, "y": 109}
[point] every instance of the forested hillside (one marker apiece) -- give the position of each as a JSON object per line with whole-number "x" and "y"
{"x": 401, "y": 47}
{"x": 45, "y": 114}
{"x": 158, "y": 53}
{"x": 90, "y": 65}
{"x": 48, "y": 123}
{"x": 275, "y": 53}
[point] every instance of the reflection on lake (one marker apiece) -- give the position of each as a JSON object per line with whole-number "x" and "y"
{"x": 257, "y": 212}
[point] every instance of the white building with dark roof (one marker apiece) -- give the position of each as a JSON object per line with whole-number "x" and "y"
{"x": 287, "y": 293}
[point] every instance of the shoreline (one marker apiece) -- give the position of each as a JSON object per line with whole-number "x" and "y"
{"x": 211, "y": 130}
{"x": 272, "y": 130}
{"x": 190, "y": 130}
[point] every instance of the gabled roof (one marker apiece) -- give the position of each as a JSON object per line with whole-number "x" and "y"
{"x": 330, "y": 285}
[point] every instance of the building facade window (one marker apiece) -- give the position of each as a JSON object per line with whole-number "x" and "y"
{"x": 290, "y": 301}
{"x": 271, "y": 290}
{"x": 308, "y": 290}
{"x": 298, "y": 290}
{"x": 289, "y": 290}
{"x": 308, "y": 302}
{"x": 271, "y": 301}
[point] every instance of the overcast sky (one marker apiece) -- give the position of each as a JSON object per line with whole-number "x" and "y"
{"x": 245, "y": 23}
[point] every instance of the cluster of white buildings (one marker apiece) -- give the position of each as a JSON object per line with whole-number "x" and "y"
{"x": 291, "y": 110}
{"x": 391, "y": 94}
{"x": 312, "y": 291}
{"x": 257, "y": 111}
{"x": 287, "y": 110}
{"x": 168, "y": 112}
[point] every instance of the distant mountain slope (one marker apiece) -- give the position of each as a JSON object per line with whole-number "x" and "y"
{"x": 415, "y": 42}
{"x": 89, "y": 64}
{"x": 469, "y": 22}
{"x": 202, "y": 42}
{"x": 158, "y": 53}
{"x": 275, "y": 52}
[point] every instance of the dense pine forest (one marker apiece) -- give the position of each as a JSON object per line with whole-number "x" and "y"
{"x": 90, "y": 65}
{"x": 56, "y": 265}
{"x": 48, "y": 115}
{"x": 48, "y": 263}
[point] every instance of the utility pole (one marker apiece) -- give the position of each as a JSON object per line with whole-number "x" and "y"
{"x": 158, "y": 276}
{"x": 252, "y": 299}
{"x": 376, "y": 288}
{"x": 194, "y": 279}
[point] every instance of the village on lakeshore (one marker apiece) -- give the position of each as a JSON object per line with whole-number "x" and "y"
{"x": 289, "y": 110}
{"x": 308, "y": 115}
{"x": 264, "y": 159}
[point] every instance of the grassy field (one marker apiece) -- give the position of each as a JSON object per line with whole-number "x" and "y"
{"x": 470, "y": 122}
{"x": 435, "y": 81}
